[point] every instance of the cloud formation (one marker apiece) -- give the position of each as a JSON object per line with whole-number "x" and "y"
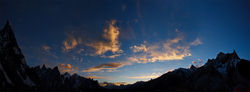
{"x": 110, "y": 42}
{"x": 173, "y": 49}
{"x": 70, "y": 43}
{"x": 46, "y": 48}
{"x": 103, "y": 84}
{"x": 196, "y": 42}
{"x": 96, "y": 77}
{"x": 151, "y": 76}
{"x": 197, "y": 63}
{"x": 111, "y": 66}
{"x": 139, "y": 48}
{"x": 67, "y": 68}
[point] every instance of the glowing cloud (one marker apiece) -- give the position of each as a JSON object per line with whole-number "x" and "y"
{"x": 110, "y": 43}
{"x": 70, "y": 43}
{"x": 46, "y": 48}
{"x": 107, "y": 66}
{"x": 67, "y": 68}
{"x": 96, "y": 77}
{"x": 197, "y": 63}
{"x": 142, "y": 47}
{"x": 173, "y": 49}
{"x": 151, "y": 76}
{"x": 103, "y": 84}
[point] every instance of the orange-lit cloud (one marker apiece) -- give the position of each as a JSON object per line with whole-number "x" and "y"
{"x": 172, "y": 49}
{"x": 139, "y": 48}
{"x": 70, "y": 43}
{"x": 103, "y": 84}
{"x": 151, "y": 76}
{"x": 46, "y": 48}
{"x": 107, "y": 66}
{"x": 111, "y": 43}
{"x": 194, "y": 62}
{"x": 97, "y": 77}
{"x": 67, "y": 68}
{"x": 197, "y": 63}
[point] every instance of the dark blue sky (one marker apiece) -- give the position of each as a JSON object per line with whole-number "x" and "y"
{"x": 127, "y": 40}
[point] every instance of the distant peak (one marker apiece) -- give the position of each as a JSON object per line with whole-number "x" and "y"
{"x": 55, "y": 68}
{"x": 7, "y": 25}
{"x": 233, "y": 55}
{"x": 192, "y": 67}
{"x": 43, "y": 67}
{"x": 8, "y": 22}
{"x": 7, "y": 32}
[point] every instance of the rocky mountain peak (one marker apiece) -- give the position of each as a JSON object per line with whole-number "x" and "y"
{"x": 225, "y": 57}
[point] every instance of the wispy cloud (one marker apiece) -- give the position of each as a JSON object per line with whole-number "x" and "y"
{"x": 172, "y": 49}
{"x": 97, "y": 77}
{"x": 67, "y": 68}
{"x": 110, "y": 42}
{"x": 46, "y": 48}
{"x": 197, "y": 63}
{"x": 103, "y": 84}
{"x": 107, "y": 66}
{"x": 196, "y": 42}
{"x": 139, "y": 48}
{"x": 70, "y": 43}
{"x": 150, "y": 76}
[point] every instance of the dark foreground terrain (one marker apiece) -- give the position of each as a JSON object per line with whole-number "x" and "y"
{"x": 227, "y": 72}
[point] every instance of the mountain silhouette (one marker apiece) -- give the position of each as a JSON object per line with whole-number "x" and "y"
{"x": 16, "y": 75}
{"x": 227, "y": 72}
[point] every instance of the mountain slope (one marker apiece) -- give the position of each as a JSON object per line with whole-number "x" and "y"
{"x": 15, "y": 74}
{"x": 225, "y": 73}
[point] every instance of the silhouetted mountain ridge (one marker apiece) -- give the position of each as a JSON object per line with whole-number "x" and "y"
{"x": 225, "y": 73}
{"x": 15, "y": 74}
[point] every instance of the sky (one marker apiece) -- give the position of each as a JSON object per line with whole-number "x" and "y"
{"x": 124, "y": 41}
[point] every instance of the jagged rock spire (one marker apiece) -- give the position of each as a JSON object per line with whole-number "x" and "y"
{"x": 234, "y": 55}
{"x": 8, "y": 23}
{"x": 7, "y": 33}
{"x": 43, "y": 67}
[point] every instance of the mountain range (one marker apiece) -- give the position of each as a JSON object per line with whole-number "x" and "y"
{"x": 227, "y": 72}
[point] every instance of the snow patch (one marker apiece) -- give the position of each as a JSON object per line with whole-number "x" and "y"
{"x": 27, "y": 80}
{"x": 5, "y": 75}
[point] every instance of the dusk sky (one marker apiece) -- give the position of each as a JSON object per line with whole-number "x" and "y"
{"x": 127, "y": 40}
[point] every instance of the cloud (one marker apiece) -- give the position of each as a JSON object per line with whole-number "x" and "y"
{"x": 196, "y": 42}
{"x": 67, "y": 68}
{"x": 70, "y": 43}
{"x": 107, "y": 66}
{"x": 46, "y": 48}
{"x": 197, "y": 63}
{"x": 194, "y": 62}
{"x": 200, "y": 61}
{"x": 103, "y": 84}
{"x": 97, "y": 77}
{"x": 110, "y": 42}
{"x": 172, "y": 49}
{"x": 139, "y": 48}
{"x": 151, "y": 76}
